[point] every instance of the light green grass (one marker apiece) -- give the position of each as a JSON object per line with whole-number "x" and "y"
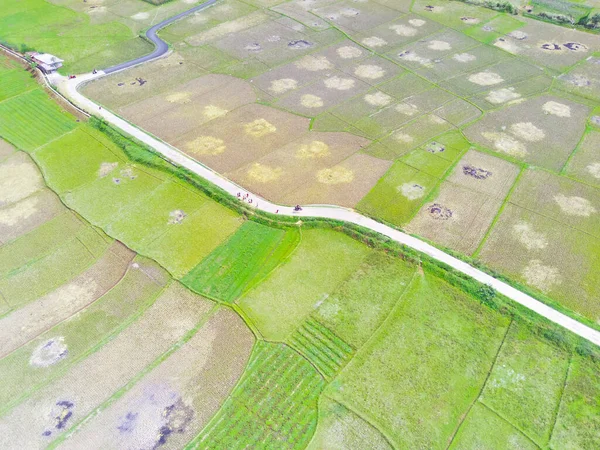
{"x": 75, "y": 158}
{"x": 273, "y": 406}
{"x": 420, "y": 373}
{"x": 38, "y": 242}
{"x": 320, "y": 263}
{"x": 483, "y": 429}
{"x": 526, "y": 383}
{"x": 82, "y": 333}
{"x": 31, "y": 119}
{"x": 242, "y": 261}
{"x": 15, "y": 82}
{"x": 361, "y": 304}
{"x": 185, "y": 245}
{"x": 578, "y": 422}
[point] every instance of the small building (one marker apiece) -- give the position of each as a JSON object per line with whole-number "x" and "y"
{"x": 47, "y": 62}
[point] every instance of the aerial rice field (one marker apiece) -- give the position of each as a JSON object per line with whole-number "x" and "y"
{"x": 202, "y": 327}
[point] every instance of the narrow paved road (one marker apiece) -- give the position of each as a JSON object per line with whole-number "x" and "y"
{"x": 161, "y": 47}
{"x": 69, "y": 89}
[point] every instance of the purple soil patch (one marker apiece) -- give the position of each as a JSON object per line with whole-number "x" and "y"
{"x": 439, "y": 212}
{"x": 178, "y": 417}
{"x": 550, "y": 46}
{"x": 487, "y": 28}
{"x": 595, "y": 120}
{"x": 116, "y": 180}
{"x": 253, "y": 47}
{"x": 476, "y": 172}
{"x": 575, "y": 46}
{"x": 435, "y": 147}
{"x": 61, "y": 414}
{"x": 299, "y": 44}
{"x": 49, "y": 353}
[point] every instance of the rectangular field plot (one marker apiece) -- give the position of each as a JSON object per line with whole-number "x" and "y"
{"x": 362, "y": 302}
{"x": 542, "y": 130}
{"x": 578, "y": 421}
{"x": 19, "y": 178}
{"x": 77, "y": 158}
{"x": 585, "y": 164}
{"x": 242, "y": 261}
{"x": 459, "y": 216}
{"x": 43, "y": 358}
{"x": 33, "y": 423}
{"x": 15, "y": 82}
{"x": 412, "y": 377}
{"x": 31, "y": 281}
{"x": 183, "y": 246}
{"x": 29, "y": 321}
{"x": 32, "y": 119}
{"x": 583, "y": 79}
{"x": 547, "y": 255}
{"x": 526, "y": 383}
{"x": 398, "y": 194}
{"x": 483, "y": 428}
{"x": 339, "y": 427}
{"x": 273, "y": 406}
{"x": 321, "y": 262}
{"x": 181, "y": 394}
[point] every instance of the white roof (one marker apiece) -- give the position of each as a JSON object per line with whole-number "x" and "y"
{"x": 47, "y": 58}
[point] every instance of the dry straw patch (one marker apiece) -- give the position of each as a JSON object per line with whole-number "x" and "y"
{"x": 527, "y": 131}
{"x": 206, "y": 145}
{"x": 311, "y": 101}
{"x": 378, "y": 99}
{"x": 403, "y": 137}
{"x": 283, "y": 85}
{"x": 407, "y": 109}
{"x": 439, "y": 45}
{"x": 259, "y": 128}
{"x": 213, "y": 112}
{"x": 531, "y": 239}
{"x": 594, "y": 170}
{"x": 180, "y": 98}
{"x": 502, "y": 96}
{"x": 374, "y": 42}
{"x": 369, "y": 71}
{"x": 313, "y": 150}
{"x": 506, "y": 143}
{"x": 49, "y": 352}
{"x": 557, "y": 109}
{"x": 417, "y": 22}
{"x": 15, "y": 214}
{"x": 263, "y": 173}
{"x": 464, "y": 57}
{"x": 106, "y": 168}
{"x": 403, "y": 30}
{"x": 339, "y": 84}
{"x": 485, "y": 78}
{"x": 348, "y": 52}
{"x": 575, "y": 206}
{"x": 18, "y": 179}
{"x": 335, "y": 175}
{"x": 411, "y": 191}
{"x": 314, "y": 63}
{"x": 541, "y": 276}
{"x": 141, "y": 16}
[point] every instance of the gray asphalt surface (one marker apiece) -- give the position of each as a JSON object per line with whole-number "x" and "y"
{"x": 161, "y": 46}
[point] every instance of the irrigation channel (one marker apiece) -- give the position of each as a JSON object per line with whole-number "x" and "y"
{"x": 69, "y": 89}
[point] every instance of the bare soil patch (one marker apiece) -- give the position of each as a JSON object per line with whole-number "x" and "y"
{"x": 19, "y": 178}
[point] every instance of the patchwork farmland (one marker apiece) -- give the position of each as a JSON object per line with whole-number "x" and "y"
{"x": 142, "y": 308}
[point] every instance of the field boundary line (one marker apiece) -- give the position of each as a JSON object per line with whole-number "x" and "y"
{"x": 504, "y": 419}
{"x": 562, "y": 394}
{"x": 131, "y": 383}
{"x": 487, "y": 377}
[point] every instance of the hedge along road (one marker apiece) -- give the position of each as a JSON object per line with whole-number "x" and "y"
{"x": 68, "y": 88}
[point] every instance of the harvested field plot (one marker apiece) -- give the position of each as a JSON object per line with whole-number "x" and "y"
{"x": 457, "y": 15}
{"x": 320, "y": 263}
{"x": 547, "y": 255}
{"x": 31, "y": 119}
{"x": 242, "y": 261}
{"x": 343, "y": 184}
{"x": 274, "y": 405}
{"x": 585, "y": 164}
{"x": 340, "y": 428}
{"x": 34, "y": 423}
{"x": 526, "y": 383}
{"x": 577, "y": 421}
{"x": 583, "y": 79}
{"x": 171, "y": 404}
{"x": 282, "y": 173}
{"x": 19, "y": 178}
{"x": 41, "y": 359}
{"x": 350, "y": 15}
{"x": 541, "y": 131}
{"x": 380, "y": 383}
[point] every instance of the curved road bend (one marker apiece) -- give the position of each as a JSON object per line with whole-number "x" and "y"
{"x": 161, "y": 47}
{"x": 68, "y": 88}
